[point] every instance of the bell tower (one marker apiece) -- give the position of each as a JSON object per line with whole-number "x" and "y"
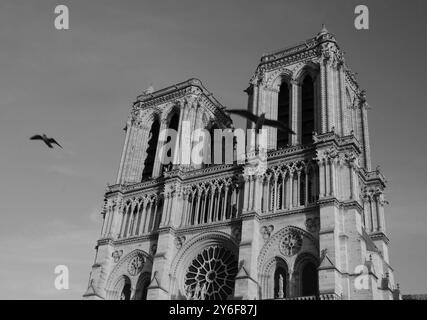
{"x": 325, "y": 168}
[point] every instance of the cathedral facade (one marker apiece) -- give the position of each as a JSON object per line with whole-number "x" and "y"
{"x": 309, "y": 226}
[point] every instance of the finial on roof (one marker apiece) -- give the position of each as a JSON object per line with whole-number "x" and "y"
{"x": 324, "y": 30}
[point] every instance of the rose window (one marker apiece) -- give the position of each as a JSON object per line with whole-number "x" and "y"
{"x": 136, "y": 265}
{"x": 291, "y": 243}
{"x": 211, "y": 274}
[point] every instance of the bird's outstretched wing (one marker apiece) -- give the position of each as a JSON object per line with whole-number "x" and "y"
{"x": 36, "y": 137}
{"x": 51, "y": 140}
{"x": 243, "y": 113}
{"x": 277, "y": 124}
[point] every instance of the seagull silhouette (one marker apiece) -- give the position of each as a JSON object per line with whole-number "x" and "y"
{"x": 45, "y": 139}
{"x": 261, "y": 120}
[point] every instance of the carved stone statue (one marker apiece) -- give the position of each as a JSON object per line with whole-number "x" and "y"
{"x": 203, "y": 292}
{"x": 197, "y": 292}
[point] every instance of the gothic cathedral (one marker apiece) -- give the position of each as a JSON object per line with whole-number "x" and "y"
{"x": 310, "y": 226}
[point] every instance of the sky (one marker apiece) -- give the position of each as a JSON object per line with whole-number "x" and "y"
{"x": 77, "y": 85}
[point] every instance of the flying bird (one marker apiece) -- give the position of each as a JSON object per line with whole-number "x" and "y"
{"x": 46, "y": 140}
{"x": 261, "y": 120}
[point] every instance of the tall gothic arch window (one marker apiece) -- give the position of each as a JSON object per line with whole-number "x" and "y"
{"x": 303, "y": 188}
{"x": 283, "y": 115}
{"x": 173, "y": 125}
{"x": 125, "y": 294}
{"x": 307, "y": 105}
{"x": 309, "y": 280}
{"x": 151, "y": 150}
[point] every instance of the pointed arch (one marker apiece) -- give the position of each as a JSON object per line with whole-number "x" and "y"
{"x": 306, "y": 274}
{"x": 307, "y": 112}
{"x": 173, "y": 124}
{"x": 153, "y": 139}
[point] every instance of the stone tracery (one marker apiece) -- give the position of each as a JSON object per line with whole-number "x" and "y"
{"x": 211, "y": 275}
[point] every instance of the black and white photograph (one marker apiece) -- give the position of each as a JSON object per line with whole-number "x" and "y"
{"x": 231, "y": 151}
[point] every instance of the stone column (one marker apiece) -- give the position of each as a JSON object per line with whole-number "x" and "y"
{"x": 295, "y": 115}
{"x": 124, "y": 152}
{"x": 366, "y": 145}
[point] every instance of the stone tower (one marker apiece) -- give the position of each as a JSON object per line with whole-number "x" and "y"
{"x": 310, "y": 226}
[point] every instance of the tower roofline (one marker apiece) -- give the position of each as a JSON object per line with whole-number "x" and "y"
{"x": 192, "y": 82}
{"x": 178, "y": 91}
{"x": 323, "y": 36}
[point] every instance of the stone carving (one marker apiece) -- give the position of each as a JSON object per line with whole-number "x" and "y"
{"x": 312, "y": 224}
{"x": 136, "y": 264}
{"x": 291, "y": 243}
{"x": 236, "y": 232}
{"x": 179, "y": 241}
{"x": 266, "y": 231}
{"x": 153, "y": 249}
{"x": 281, "y": 294}
{"x": 117, "y": 255}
